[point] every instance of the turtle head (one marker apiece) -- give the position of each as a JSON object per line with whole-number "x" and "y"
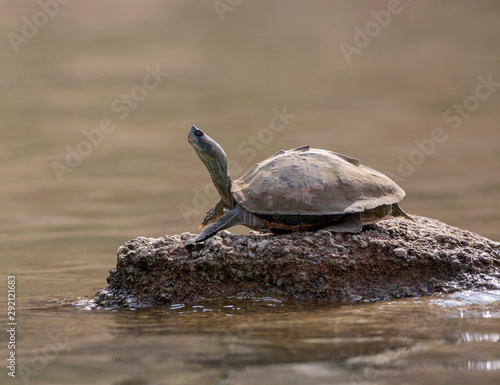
{"x": 215, "y": 160}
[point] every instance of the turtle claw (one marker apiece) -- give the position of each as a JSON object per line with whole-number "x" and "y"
{"x": 205, "y": 223}
{"x": 214, "y": 213}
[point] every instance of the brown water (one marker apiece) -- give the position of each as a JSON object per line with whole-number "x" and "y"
{"x": 231, "y": 77}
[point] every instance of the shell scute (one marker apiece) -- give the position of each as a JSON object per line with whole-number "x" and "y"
{"x": 308, "y": 181}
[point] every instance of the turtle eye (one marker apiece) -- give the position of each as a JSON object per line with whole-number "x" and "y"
{"x": 198, "y": 133}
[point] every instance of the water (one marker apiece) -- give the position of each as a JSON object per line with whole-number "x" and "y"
{"x": 238, "y": 340}
{"x": 58, "y": 236}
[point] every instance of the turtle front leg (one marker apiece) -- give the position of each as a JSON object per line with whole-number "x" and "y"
{"x": 214, "y": 213}
{"x": 234, "y": 217}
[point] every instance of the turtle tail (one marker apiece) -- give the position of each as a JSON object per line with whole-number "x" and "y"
{"x": 398, "y": 212}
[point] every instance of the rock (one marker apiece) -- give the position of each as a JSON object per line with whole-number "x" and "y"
{"x": 363, "y": 244}
{"x": 395, "y": 258}
{"x": 400, "y": 252}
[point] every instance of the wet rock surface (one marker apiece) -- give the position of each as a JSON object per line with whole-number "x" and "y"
{"x": 395, "y": 258}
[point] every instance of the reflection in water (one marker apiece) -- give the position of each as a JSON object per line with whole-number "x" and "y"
{"x": 237, "y": 340}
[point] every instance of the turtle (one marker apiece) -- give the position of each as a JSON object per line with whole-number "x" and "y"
{"x": 300, "y": 189}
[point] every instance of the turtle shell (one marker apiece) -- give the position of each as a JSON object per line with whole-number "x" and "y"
{"x": 309, "y": 181}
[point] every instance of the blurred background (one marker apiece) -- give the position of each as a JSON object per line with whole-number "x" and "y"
{"x": 370, "y": 79}
{"x": 229, "y": 69}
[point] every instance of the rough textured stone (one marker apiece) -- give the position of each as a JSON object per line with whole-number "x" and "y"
{"x": 392, "y": 259}
{"x": 400, "y": 252}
